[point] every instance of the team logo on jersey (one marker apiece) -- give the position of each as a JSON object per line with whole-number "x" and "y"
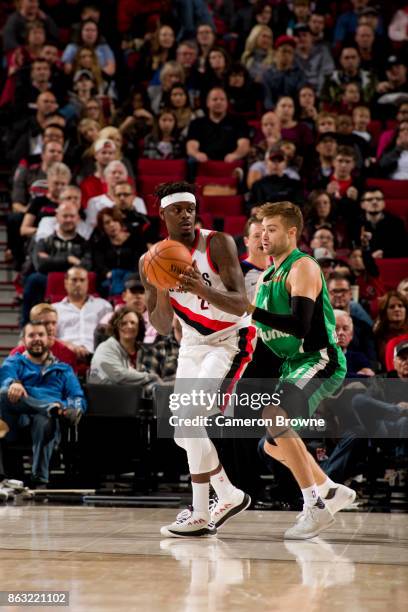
{"x": 272, "y": 334}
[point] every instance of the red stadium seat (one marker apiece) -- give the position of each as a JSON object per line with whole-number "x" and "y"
{"x": 224, "y": 181}
{"x": 217, "y": 168}
{"x": 392, "y": 271}
{"x": 207, "y": 220}
{"x": 375, "y": 128}
{"x": 55, "y": 291}
{"x": 395, "y": 190}
{"x": 234, "y": 225}
{"x": 222, "y": 206}
{"x": 176, "y": 168}
{"x": 151, "y": 205}
{"x": 398, "y": 208}
{"x": 148, "y": 184}
{"x": 389, "y": 350}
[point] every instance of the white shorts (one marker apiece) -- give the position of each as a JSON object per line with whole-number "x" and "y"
{"x": 213, "y": 368}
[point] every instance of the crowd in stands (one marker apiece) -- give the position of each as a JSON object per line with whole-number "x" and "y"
{"x": 253, "y": 100}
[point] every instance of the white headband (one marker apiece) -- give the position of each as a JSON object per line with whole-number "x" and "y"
{"x": 183, "y": 196}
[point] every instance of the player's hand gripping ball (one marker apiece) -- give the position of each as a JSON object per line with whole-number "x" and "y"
{"x": 164, "y": 262}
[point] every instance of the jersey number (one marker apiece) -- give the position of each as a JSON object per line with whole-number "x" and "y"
{"x": 204, "y": 304}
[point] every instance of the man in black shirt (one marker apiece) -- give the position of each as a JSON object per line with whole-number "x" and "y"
{"x": 382, "y": 232}
{"x": 276, "y": 186}
{"x": 57, "y": 253}
{"x": 218, "y": 136}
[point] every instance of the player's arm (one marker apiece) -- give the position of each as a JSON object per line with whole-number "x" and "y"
{"x": 225, "y": 257}
{"x": 304, "y": 286}
{"x": 158, "y": 305}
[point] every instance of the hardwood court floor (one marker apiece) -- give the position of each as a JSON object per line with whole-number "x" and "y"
{"x": 115, "y": 559}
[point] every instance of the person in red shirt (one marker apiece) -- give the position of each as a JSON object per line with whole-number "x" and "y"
{"x": 47, "y": 315}
{"x": 94, "y": 185}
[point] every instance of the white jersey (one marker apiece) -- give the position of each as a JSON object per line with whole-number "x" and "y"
{"x": 200, "y": 320}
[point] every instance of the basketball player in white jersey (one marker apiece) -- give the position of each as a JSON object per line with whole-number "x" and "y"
{"x": 216, "y": 346}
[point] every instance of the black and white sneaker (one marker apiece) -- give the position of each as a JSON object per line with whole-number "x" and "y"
{"x": 222, "y": 510}
{"x": 188, "y": 524}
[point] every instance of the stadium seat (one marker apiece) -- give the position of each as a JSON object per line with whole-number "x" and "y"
{"x": 222, "y": 206}
{"x": 395, "y": 190}
{"x": 234, "y": 225}
{"x": 148, "y": 184}
{"x": 375, "y": 128}
{"x": 55, "y": 290}
{"x": 207, "y": 220}
{"x": 389, "y": 350}
{"x": 217, "y": 168}
{"x": 392, "y": 271}
{"x": 176, "y": 168}
{"x": 398, "y": 208}
{"x": 224, "y": 182}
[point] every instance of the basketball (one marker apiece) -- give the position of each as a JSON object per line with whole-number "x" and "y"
{"x": 164, "y": 262}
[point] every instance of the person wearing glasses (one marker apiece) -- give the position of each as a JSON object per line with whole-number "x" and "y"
{"x": 378, "y": 230}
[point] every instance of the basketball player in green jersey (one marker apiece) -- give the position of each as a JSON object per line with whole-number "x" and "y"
{"x": 295, "y": 320}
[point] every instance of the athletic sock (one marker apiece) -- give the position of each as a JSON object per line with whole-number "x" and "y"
{"x": 201, "y": 494}
{"x": 222, "y": 485}
{"x": 311, "y": 495}
{"x": 325, "y": 487}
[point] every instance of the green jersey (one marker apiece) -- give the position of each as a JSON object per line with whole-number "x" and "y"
{"x": 273, "y": 296}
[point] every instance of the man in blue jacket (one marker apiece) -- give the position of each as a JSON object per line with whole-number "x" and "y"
{"x": 35, "y": 388}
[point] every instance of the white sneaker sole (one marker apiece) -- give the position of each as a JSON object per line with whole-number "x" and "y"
{"x": 309, "y": 535}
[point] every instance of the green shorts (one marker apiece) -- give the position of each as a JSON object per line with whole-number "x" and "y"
{"x": 315, "y": 375}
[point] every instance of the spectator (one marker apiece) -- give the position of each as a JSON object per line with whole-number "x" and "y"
{"x": 255, "y": 261}
{"x": 134, "y": 297}
{"x": 321, "y": 213}
{"x": 160, "y": 357}
{"x": 216, "y": 71}
{"x": 394, "y": 89}
{"x": 346, "y": 23}
{"x": 163, "y": 142}
{"x": 258, "y": 53}
{"x": 190, "y": 13}
{"x": 317, "y": 25}
{"x": 186, "y": 56}
{"x": 357, "y": 363}
{"x": 307, "y": 106}
{"x": 47, "y": 316}
{"x": 366, "y": 276}
{"x": 371, "y": 56}
{"x": 392, "y": 321}
{"x": 94, "y": 185}
{"x": 322, "y": 165}
{"x": 171, "y": 73}
{"x": 117, "y": 359}
{"x": 394, "y": 163}
{"x": 270, "y": 136}
{"x": 130, "y": 205}
{"x": 179, "y": 103}
{"x": 397, "y": 30}
{"x": 322, "y": 243}
{"x": 25, "y": 178}
{"x": 218, "y": 135}
{"x": 326, "y": 122}
{"x": 93, "y": 109}
{"x": 315, "y": 61}
{"x": 403, "y": 287}
{"x": 349, "y": 71}
{"x": 57, "y": 253}
{"x": 284, "y": 78}
{"x": 205, "y": 39}
{"x": 58, "y": 177}
{"x": 134, "y": 119}
{"x": 243, "y": 94}
{"x": 378, "y": 230}
{"x": 389, "y": 136}
{"x": 342, "y": 185}
{"x": 114, "y": 173}
{"x": 34, "y": 387}
{"x": 291, "y": 129}
{"x": 24, "y": 139}
{"x": 341, "y": 297}
{"x": 155, "y": 52}
{"x": 79, "y": 313}
{"x": 89, "y": 37}
{"x": 276, "y": 186}
{"x": 361, "y": 121}
{"x": 28, "y": 89}
{"x": 49, "y": 225}
{"x": 300, "y": 17}
{"x": 116, "y": 254}
{"x": 112, "y": 133}
{"x": 15, "y": 26}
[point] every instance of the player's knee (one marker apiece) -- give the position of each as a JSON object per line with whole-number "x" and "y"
{"x": 275, "y": 417}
